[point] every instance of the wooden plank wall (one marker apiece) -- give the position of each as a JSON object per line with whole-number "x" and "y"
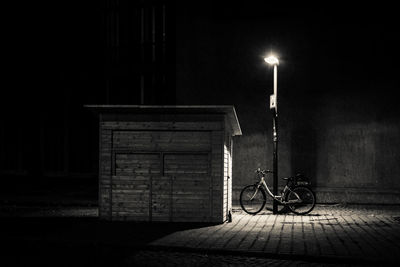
{"x": 131, "y": 185}
{"x": 190, "y": 186}
{"x": 227, "y": 170}
{"x": 217, "y": 175}
{"x": 162, "y": 173}
{"x": 162, "y": 140}
{"x": 227, "y": 192}
{"x": 105, "y": 160}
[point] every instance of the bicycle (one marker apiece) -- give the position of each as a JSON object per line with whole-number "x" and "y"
{"x": 296, "y": 195}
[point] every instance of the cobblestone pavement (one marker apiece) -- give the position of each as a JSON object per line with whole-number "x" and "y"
{"x": 334, "y": 233}
{"x": 170, "y": 258}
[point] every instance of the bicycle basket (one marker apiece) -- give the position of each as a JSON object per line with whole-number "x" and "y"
{"x": 300, "y": 179}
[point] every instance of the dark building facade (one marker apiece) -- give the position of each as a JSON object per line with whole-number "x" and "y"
{"x": 73, "y": 53}
{"x": 339, "y": 119}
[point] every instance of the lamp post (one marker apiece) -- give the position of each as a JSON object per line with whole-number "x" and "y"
{"x": 273, "y": 105}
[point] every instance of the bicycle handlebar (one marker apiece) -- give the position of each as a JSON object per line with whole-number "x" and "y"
{"x": 263, "y": 171}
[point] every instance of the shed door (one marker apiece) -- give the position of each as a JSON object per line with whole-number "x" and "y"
{"x": 132, "y": 184}
{"x": 162, "y": 186}
{"x": 161, "y": 176}
{"x": 190, "y": 187}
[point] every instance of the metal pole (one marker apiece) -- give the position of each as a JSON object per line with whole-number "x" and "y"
{"x": 275, "y": 139}
{"x": 276, "y": 88}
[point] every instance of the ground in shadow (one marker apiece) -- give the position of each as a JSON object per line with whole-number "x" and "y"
{"x": 51, "y": 241}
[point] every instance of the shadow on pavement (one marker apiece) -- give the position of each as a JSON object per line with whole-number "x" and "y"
{"x": 56, "y": 241}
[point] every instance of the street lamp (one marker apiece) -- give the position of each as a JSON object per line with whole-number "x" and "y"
{"x": 273, "y": 105}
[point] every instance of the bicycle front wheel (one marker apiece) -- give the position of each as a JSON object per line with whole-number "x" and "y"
{"x": 252, "y": 199}
{"x": 301, "y": 200}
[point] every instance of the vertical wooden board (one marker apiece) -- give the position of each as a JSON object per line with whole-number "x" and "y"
{"x": 226, "y": 177}
{"x": 230, "y": 181}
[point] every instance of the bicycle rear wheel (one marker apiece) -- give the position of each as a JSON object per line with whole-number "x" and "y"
{"x": 303, "y": 199}
{"x": 252, "y": 199}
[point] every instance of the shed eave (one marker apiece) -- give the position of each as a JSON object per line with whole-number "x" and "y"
{"x": 228, "y": 110}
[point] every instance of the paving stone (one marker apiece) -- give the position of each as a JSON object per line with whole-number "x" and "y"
{"x": 367, "y": 233}
{"x": 172, "y": 258}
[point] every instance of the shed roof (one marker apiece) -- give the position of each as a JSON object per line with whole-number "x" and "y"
{"x": 228, "y": 110}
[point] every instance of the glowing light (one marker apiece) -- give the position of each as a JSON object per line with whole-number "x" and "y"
{"x": 271, "y": 60}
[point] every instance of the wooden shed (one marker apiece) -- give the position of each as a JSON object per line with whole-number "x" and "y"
{"x": 166, "y": 163}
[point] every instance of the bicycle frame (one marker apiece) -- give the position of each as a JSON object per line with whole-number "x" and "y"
{"x": 277, "y": 197}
